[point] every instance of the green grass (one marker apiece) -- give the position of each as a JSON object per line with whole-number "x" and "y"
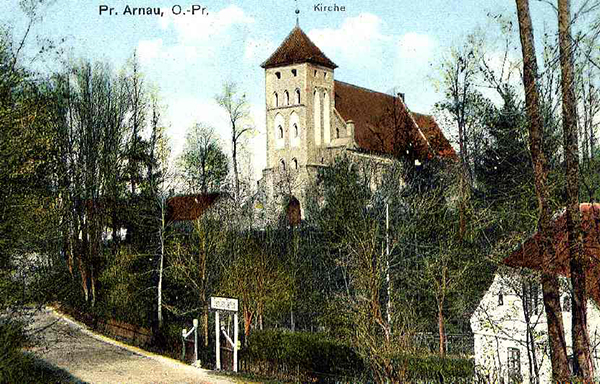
{"x": 28, "y": 368}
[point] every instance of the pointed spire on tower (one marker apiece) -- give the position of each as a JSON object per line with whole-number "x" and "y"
{"x": 295, "y": 49}
{"x": 297, "y": 14}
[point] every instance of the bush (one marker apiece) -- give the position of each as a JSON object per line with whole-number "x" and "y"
{"x": 299, "y": 355}
{"x": 12, "y": 339}
{"x": 429, "y": 368}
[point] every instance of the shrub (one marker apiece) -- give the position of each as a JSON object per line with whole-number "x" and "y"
{"x": 300, "y": 355}
{"x": 415, "y": 368}
{"x": 12, "y": 360}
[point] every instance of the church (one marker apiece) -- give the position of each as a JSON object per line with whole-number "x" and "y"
{"x": 311, "y": 118}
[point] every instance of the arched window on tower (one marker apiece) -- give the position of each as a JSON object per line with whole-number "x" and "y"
{"x": 278, "y": 74}
{"x": 337, "y": 132}
{"x": 282, "y": 164}
{"x": 294, "y": 72}
{"x": 287, "y": 98}
{"x": 295, "y": 163}
{"x": 297, "y": 96}
{"x": 276, "y": 99}
{"x": 280, "y": 132}
{"x": 296, "y": 130}
{"x": 326, "y": 118}
{"x": 317, "y": 117}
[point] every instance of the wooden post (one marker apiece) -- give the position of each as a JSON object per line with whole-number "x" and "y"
{"x": 235, "y": 340}
{"x": 218, "y": 340}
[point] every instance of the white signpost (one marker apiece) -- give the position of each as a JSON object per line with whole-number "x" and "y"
{"x": 224, "y": 304}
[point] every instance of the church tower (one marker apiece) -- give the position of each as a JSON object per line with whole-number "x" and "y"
{"x": 311, "y": 118}
{"x": 299, "y": 94}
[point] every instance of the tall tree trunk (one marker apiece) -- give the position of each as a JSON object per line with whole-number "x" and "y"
{"x": 206, "y": 325}
{"x": 442, "y": 328}
{"x": 235, "y": 165}
{"x": 594, "y": 108}
{"x": 462, "y": 179}
{"x": 528, "y": 311}
{"x": 84, "y": 277}
{"x": 93, "y": 285}
{"x": 162, "y": 260}
{"x": 582, "y": 364}
{"x": 550, "y": 286}
{"x": 247, "y": 323}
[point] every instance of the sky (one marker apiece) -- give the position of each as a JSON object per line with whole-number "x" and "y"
{"x": 382, "y": 45}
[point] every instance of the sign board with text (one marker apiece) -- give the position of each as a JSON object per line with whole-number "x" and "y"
{"x": 224, "y": 304}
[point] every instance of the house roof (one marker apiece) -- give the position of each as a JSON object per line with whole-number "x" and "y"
{"x": 295, "y": 49}
{"x": 383, "y": 123}
{"x": 189, "y": 207}
{"x": 528, "y": 255}
{"x": 438, "y": 142}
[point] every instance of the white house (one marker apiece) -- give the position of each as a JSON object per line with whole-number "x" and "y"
{"x": 511, "y": 306}
{"x": 509, "y": 324}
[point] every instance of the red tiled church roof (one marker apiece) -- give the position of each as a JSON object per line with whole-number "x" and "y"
{"x": 189, "y": 207}
{"x": 438, "y": 142}
{"x": 295, "y": 49}
{"x": 528, "y": 255}
{"x": 382, "y": 123}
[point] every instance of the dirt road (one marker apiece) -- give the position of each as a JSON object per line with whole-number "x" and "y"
{"x": 93, "y": 358}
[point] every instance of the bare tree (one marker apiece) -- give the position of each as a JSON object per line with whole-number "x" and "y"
{"x": 463, "y": 102}
{"x": 138, "y": 100}
{"x": 236, "y": 107}
{"x": 582, "y": 363}
{"x": 550, "y": 285}
{"x": 160, "y": 185}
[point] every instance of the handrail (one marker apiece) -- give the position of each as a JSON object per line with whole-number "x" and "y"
{"x": 184, "y": 336}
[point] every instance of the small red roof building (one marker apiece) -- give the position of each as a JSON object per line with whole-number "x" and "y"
{"x": 528, "y": 255}
{"x": 189, "y": 207}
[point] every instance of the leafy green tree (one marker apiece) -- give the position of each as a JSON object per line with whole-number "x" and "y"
{"x": 28, "y": 168}
{"x": 203, "y": 163}
{"x": 259, "y": 280}
{"x": 197, "y": 262}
